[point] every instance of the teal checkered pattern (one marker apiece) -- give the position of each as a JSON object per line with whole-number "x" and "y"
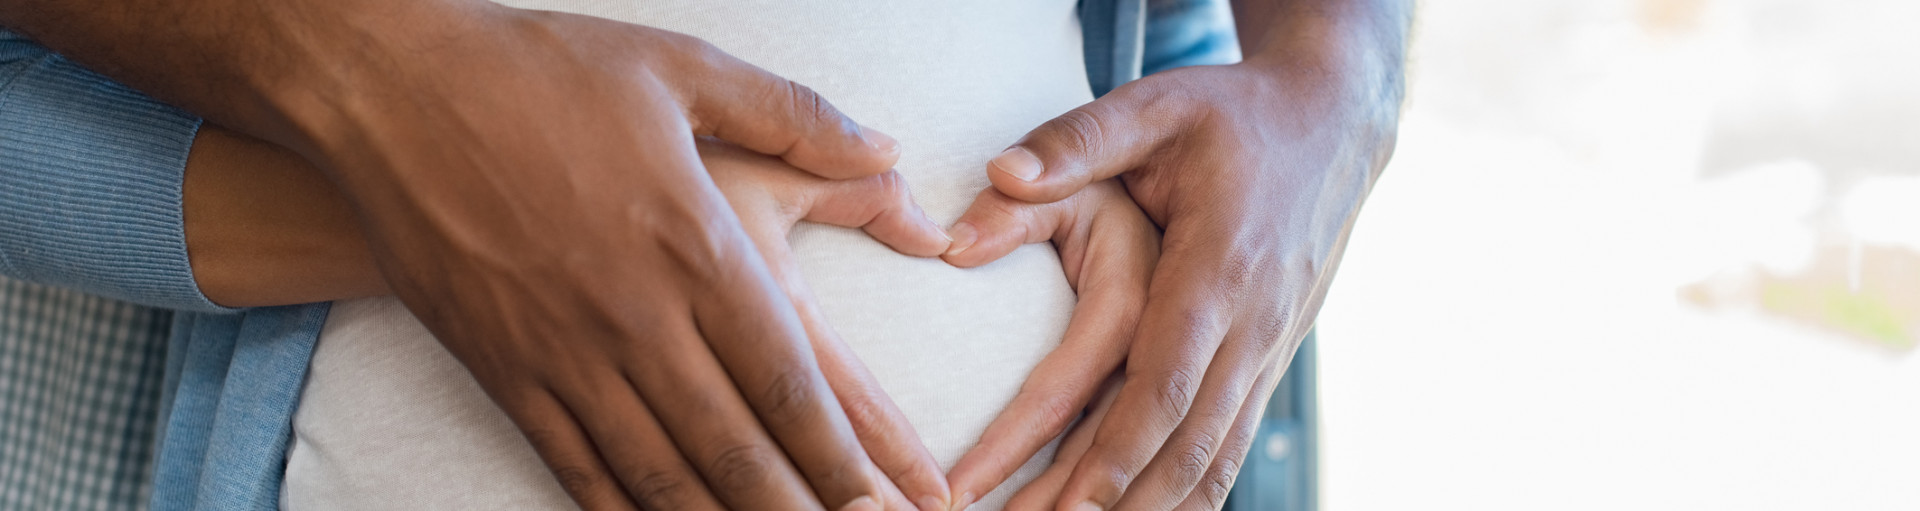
{"x": 80, "y": 379}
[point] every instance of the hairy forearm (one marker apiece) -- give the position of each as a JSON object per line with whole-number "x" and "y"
{"x": 266, "y": 228}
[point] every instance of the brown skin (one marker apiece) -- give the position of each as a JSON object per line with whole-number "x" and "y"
{"x": 264, "y": 228}
{"x": 528, "y": 185}
{"x": 1256, "y": 172}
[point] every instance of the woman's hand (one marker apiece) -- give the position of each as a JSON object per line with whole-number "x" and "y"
{"x": 1108, "y": 249}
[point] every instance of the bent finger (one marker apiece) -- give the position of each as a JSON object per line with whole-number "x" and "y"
{"x": 637, "y": 449}
{"x": 702, "y": 407}
{"x": 754, "y": 331}
{"x": 1232, "y": 377}
{"x": 563, "y": 445}
{"x": 1040, "y": 494}
{"x": 883, "y": 206}
{"x": 1212, "y": 491}
{"x": 889, "y": 439}
{"x": 996, "y": 224}
{"x": 744, "y": 104}
{"x": 1179, "y": 334}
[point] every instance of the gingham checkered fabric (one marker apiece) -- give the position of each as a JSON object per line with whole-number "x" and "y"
{"x": 80, "y": 379}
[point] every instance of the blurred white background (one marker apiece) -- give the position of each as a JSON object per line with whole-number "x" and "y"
{"x": 1638, "y": 254}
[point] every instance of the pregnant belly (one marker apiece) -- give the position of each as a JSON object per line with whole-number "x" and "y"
{"x": 389, "y": 420}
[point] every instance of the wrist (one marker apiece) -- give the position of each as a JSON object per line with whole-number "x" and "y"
{"x": 1356, "y": 46}
{"x": 1349, "y": 60}
{"x": 351, "y": 63}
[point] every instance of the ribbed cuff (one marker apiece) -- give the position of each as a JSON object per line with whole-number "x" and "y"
{"x": 90, "y": 184}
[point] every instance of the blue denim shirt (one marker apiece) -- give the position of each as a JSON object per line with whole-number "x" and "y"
{"x": 90, "y": 178}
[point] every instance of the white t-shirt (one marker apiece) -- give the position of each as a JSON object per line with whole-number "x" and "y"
{"x": 389, "y": 420}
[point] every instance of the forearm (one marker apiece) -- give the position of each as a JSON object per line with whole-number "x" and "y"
{"x": 264, "y": 227}
{"x": 271, "y": 69}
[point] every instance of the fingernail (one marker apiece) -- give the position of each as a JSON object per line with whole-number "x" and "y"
{"x": 1087, "y": 506}
{"x": 864, "y": 503}
{"x": 879, "y": 141}
{"x": 966, "y": 499}
{"x": 963, "y": 236}
{"x": 1018, "y": 162}
{"x": 929, "y": 503}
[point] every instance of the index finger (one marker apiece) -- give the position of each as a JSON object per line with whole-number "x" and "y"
{"x": 885, "y": 433}
{"x": 741, "y": 103}
{"x": 754, "y": 331}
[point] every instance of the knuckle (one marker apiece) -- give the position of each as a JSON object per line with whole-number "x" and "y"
{"x": 1055, "y": 410}
{"x": 576, "y": 480}
{"x": 742, "y": 469}
{"x": 810, "y": 107}
{"x": 702, "y": 241}
{"x": 542, "y": 439}
{"x": 1110, "y": 476}
{"x": 788, "y": 398}
{"x": 1219, "y": 482}
{"x": 996, "y": 209}
{"x": 864, "y": 409}
{"x": 1191, "y": 459}
{"x": 894, "y": 187}
{"x": 1078, "y": 131}
{"x": 1175, "y": 389}
{"x": 661, "y": 490}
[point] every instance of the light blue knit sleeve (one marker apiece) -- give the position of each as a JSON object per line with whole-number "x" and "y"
{"x": 90, "y": 180}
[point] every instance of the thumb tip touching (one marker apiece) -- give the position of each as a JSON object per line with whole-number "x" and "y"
{"x": 1022, "y": 174}
{"x": 1018, "y": 163}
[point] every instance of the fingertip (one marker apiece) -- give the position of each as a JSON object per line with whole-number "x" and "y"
{"x": 966, "y": 499}
{"x": 883, "y": 145}
{"x": 961, "y": 482}
{"x": 960, "y": 237}
{"x": 933, "y": 239}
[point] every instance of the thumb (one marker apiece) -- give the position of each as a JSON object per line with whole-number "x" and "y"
{"x": 1096, "y": 141}
{"x": 756, "y": 109}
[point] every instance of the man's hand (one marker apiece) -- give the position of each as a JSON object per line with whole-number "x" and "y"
{"x": 771, "y": 196}
{"x": 534, "y": 196}
{"x": 1256, "y": 172}
{"x": 257, "y": 209}
{"x": 530, "y": 189}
